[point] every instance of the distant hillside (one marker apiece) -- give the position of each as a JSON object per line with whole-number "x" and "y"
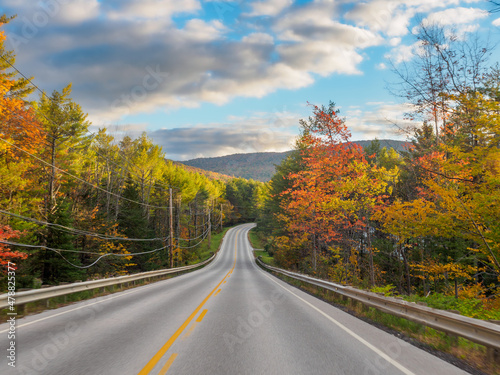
{"x": 256, "y": 166}
{"x": 206, "y": 172}
{"x": 261, "y": 165}
{"x": 389, "y": 143}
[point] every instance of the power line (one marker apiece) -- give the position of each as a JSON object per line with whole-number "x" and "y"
{"x": 190, "y": 247}
{"x": 66, "y": 133}
{"x": 101, "y": 256}
{"x": 10, "y": 243}
{"x": 191, "y": 239}
{"x": 58, "y": 251}
{"x": 158, "y": 184}
{"x": 26, "y": 78}
{"x": 81, "y": 180}
{"x": 79, "y": 231}
{"x": 91, "y": 135}
{"x": 113, "y": 254}
{"x": 49, "y": 164}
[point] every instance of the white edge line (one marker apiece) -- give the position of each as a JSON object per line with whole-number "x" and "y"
{"x": 347, "y": 330}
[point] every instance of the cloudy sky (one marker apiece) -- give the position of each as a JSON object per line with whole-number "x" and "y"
{"x": 209, "y": 78}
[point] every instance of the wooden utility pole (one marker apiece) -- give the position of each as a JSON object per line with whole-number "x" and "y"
{"x": 171, "y": 231}
{"x": 178, "y": 218}
{"x": 209, "y": 228}
{"x": 221, "y": 217}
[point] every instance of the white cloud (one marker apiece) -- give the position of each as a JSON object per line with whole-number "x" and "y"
{"x": 389, "y": 17}
{"x": 393, "y": 17}
{"x": 315, "y": 41}
{"x": 321, "y": 57}
{"x": 258, "y": 38}
{"x": 149, "y": 9}
{"x": 379, "y": 120}
{"x": 329, "y": 31}
{"x": 394, "y": 42}
{"x": 199, "y": 30}
{"x": 201, "y": 63}
{"x": 264, "y": 132}
{"x": 403, "y": 53}
{"x": 108, "y": 48}
{"x": 312, "y": 16}
{"x": 496, "y": 22}
{"x": 43, "y": 14}
{"x": 456, "y": 23}
{"x": 455, "y": 16}
{"x": 269, "y": 7}
{"x": 76, "y": 11}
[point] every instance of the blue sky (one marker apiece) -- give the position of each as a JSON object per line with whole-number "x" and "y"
{"x": 210, "y": 78}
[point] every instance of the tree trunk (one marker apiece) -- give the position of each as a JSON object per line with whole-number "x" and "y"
{"x": 407, "y": 271}
{"x": 52, "y": 177}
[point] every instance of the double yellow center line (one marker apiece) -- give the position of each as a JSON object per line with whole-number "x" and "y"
{"x": 156, "y": 358}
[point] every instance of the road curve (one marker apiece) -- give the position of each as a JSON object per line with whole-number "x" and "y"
{"x": 227, "y": 318}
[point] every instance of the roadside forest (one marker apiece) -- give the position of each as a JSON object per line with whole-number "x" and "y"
{"x": 77, "y": 204}
{"x": 419, "y": 222}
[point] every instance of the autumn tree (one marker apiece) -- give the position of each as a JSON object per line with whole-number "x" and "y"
{"x": 332, "y": 197}
{"x": 20, "y": 86}
{"x": 70, "y": 196}
{"x": 7, "y": 255}
{"x": 145, "y": 167}
{"x": 457, "y": 197}
{"x": 65, "y": 125}
{"x": 281, "y": 182}
{"x": 20, "y": 135}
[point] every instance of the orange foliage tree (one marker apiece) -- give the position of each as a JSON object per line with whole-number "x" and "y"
{"x": 6, "y": 254}
{"x": 20, "y": 134}
{"x": 333, "y": 195}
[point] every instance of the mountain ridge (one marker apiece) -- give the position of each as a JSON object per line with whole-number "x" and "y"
{"x": 260, "y": 166}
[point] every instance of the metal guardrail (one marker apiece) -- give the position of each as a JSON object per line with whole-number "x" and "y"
{"x": 478, "y": 331}
{"x": 24, "y": 297}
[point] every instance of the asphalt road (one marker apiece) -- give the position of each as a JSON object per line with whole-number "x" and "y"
{"x": 227, "y": 318}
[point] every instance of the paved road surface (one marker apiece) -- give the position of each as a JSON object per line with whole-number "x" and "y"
{"x": 227, "y": 318}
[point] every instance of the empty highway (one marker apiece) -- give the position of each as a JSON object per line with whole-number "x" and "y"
{"x": 227, "y": 318}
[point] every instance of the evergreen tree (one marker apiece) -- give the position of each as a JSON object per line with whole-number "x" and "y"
{"x": 63, "y": 267}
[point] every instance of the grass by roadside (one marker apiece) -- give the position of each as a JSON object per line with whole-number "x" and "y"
{"x": 467, "y": 306}
{"x": 265, "y": 257}
{"x": 256, "y": 239}
{"x": 258, "y": 243}
{"x": 205, "y": 251}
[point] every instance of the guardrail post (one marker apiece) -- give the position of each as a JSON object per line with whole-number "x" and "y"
{"x": 364, "y": 308}
{"x": 453, "y": 339}
{"x": 493, "y": 355}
